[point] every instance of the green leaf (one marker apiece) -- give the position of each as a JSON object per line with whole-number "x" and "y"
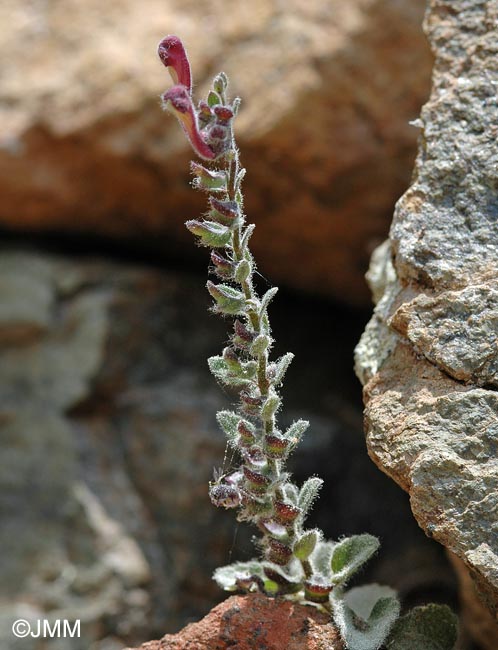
{"x": 295, "y": 432}
{"x": 228, "y": 421}
{"x": 225, "y": 375}
{"x": 211, "y": 234}
{"x": 268, "y": 297}
{"x": 291, "y": 493}
{"x": 242, "y": 271}
{"x": 365, "y": 615}
{"x": 228, "y": 300}
{"x": 246, "y": 236}
{"x": 308, "y": 494}
{"x": 281, "y": 366}
{"x": 320, "y": 558}
{"x": 270, "y": 407}
{"x": 239, "y": 179}
{"x": 430, "y": 627}
{"x": 305, "y": 545}
{"x": 227, "y": 576}
{"x": 213, "y": 99}
{"x": 350, "y": 554}
{"x": 260, "y": 344}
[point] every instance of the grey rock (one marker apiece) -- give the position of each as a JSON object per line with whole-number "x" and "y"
{"x": 455, "y": 330}
{"x": 429, "y": 357}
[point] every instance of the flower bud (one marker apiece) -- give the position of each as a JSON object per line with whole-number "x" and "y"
{"x": 217, "y": 132}
{"x": 222, "y": 267}
{"x": 223, "y": 114}
{"x": 278, "y": 552}
{"x": 316, "y": 590}
{"x": 254, "y": 456}
{"x": 204, "y": 113}
{"x": 207, "y": 179}
{"x": 242, "y": 337}
{"x": 251, "y": 405}
{"x": 225, "y": 496}
{"x": 211, "y": 234}
{"x": 256, "y": 482}
{"x": 228, "y": 300}
{"x": 225, "y": 212}
{"x": 232, "y": 360}
{"x": 285, "y": 512}
{"x": 276, "y": 447}
{"x": 246, "y": 433}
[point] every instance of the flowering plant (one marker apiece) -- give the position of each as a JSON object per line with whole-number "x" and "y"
{"x": 295, "y": 561}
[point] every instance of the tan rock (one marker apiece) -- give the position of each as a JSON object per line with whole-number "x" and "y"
{"x": 255, "y": 621}
{"x": 328, "y": 90}
{"x": 429, "y": 355}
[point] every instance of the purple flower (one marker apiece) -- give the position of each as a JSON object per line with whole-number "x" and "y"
{"x": 173, "y": 55}
{"x": 177, "y": 100}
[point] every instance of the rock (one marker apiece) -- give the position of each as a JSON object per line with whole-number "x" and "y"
{"x": 456, "y": 331}
{"x": 86, "y": 150}
{"x": 429, "y": 356}
{"x": 255, "y": 621}
{"x": 92, "y": 529}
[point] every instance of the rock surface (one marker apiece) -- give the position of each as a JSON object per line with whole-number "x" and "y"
{"x": 255, "y": 621}
{"x": 328, "y": 91}
{"x": 429, "y": 356}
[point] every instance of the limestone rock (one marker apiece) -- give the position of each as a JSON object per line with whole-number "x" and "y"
{"x": 328, "y": 90}
{"x": 429, "y": 355}
{"x": 255, "y": 621}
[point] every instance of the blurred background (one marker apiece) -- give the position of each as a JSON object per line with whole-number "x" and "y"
{"x": 107, "y": 409}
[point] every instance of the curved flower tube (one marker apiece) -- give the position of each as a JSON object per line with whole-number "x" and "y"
{"x": 177, "y": 100}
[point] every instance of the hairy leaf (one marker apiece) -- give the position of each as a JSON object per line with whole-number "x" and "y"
{"x": 270, "y": 407}
{"x": 228, "y": 421}
{"x": 210, "y": 233}
{"x": 305, "y": 545}
{"x": 320, "y": 558}
{"x": 430, "y": 627}
{"x": 227, "y": 576}
{"x": 308, "y": 493}
{"x": 365, "y": 615}
{"x": 295, "y": 432}
{"x": 281, "y": 366}
{"x": 228, "y": 300}
{"x": 350, "y": 554}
